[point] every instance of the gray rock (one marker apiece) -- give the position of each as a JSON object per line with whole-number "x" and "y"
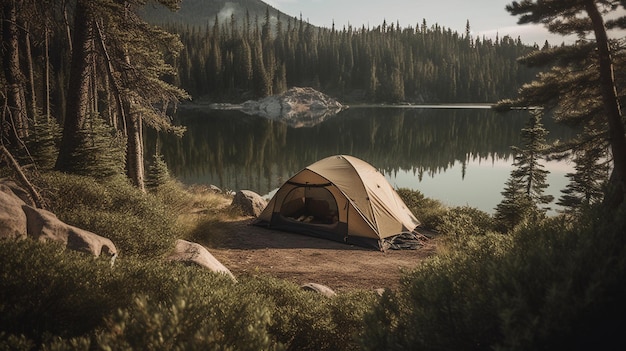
{"x": 319, "y": 288}
{"x": 19, "y": 219}
{"x": 186, "y": 251}
{"x": 215, "y": 189}
{"x": 12, "y": 218}
{"x": 249, "y": 202}
{"x": 45, "y": 226}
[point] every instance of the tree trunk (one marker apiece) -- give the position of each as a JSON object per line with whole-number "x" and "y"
{"x": 134, "y": 150}
{"x": 32, "y": 108}
{"x": 68, "y": 32}
{"x": 47, "y": 76}
{"x": 111, "y": 82}
{"x": 78, "y": 91}
{"x": 617, "y": 137}
{"x": 15, "y": 125}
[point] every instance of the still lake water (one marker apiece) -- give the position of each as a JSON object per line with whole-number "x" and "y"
{"x": 460, "y": 156}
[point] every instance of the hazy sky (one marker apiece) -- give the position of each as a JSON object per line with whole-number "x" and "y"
{"x": 486, "y": 17}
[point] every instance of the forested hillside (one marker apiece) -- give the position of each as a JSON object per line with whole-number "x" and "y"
{"x": 202, "y": 12}
{"x": 387, "y": 63}
{"x": 235, "y": 50}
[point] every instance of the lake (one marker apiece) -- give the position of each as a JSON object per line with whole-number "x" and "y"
{"x": 460, "y": 155}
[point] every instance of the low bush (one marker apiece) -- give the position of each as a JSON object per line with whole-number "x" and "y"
{"x": 57, "y": 299}
{"x": 304, "y": 320}
{"x": 554, "y": 284}
{"x": 47, "y": 290}
{"x": 428, "y": 211}
{"x": 465, "y": 220}
{"x": 138, "y": 223}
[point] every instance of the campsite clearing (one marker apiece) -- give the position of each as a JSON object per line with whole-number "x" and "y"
{"x": 250, "y": 250}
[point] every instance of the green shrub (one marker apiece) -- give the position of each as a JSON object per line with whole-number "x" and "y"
{"x": 564, "y": 286}
{"x": 196, "y": 318}
{"x": 428, "y": 211}
{"x": 15, "y": 342}
{"x": 47, "y": 290}
{"x": 304, "y": 320}
{"x": 444, "y": 304}
{"x": 56, "y": 297}
{"x": 137, "y": 223}
{"x": 554, "y": 284}
{"x": 465, "y": 220}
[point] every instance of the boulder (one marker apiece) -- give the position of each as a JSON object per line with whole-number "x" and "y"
{"x": 380, "y": 291}
{"x": 215, "y": 189}
{"x": 249, "y": 202}
{"x": 45, "y": 226}
{"x": 319, "y": 288}
{"x": 186, "y": 251}
{"x": 19, "y": 192}
{"x": 12, "y": 218}
{"x": 19, "y": 219}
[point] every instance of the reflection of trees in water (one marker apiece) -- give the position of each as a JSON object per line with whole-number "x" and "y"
{"x": 236, "y": 151}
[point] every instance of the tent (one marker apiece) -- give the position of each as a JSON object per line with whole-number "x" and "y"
{"x": 341, "y": 198}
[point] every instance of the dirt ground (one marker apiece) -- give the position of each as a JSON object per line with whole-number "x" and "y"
{"x": 248, "y": 249}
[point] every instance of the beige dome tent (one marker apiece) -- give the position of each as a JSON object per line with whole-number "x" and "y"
{"x": 341, "y": 198}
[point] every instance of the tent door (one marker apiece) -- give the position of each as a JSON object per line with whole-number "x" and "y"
{"x": 310, "y": 205}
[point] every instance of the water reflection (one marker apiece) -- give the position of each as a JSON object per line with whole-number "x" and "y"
{"x": 420, "y": 148}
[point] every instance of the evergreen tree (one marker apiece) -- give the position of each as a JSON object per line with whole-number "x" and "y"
{"x": 79, "y": 83}
{"x": 515, "y": 206}
{"x": 100, "y": 152}
{"x": 158, "y": 174}
{"x": 587, "y": 183}
{"x": 528, "y": 158}
{"x": 598, "y": 96}
{"x": 110, "y": 37}
{"x": 524, "y": 190}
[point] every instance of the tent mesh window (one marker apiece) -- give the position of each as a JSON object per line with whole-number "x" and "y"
{"x": 314, "y": 205}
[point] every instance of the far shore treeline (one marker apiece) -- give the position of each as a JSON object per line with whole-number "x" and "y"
{"x": 252, "y": 56}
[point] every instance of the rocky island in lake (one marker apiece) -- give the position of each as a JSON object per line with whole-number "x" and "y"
{"x": 298, "y": 107}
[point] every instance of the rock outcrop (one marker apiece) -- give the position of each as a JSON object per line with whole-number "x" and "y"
{"x": 186, "y": 251}
{"x": 298, "y": 107}
{"x": 249, "y": 203}
{"x": 20, "y": 219}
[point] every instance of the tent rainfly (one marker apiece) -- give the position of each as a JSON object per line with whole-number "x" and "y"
{"x": 341, "y": 198}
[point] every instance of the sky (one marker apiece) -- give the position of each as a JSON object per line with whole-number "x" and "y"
{"x": 486, "y": 17}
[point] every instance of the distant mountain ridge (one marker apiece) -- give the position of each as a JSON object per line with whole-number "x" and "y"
{"x": 202, "y": 12}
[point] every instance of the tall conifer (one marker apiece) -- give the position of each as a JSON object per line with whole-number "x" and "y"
{"x": 524, "y": 192}
{"x": 582, "y": 17}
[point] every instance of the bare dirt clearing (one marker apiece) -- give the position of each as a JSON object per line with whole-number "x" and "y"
{"x": 247, "y": 249}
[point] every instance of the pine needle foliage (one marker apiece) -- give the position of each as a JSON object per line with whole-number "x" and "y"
{"x": 41, "y": 145}
{"x": 588, "y": 181}
{"x": 158, "y": 173}
{"x": 523, "y": 193}
{"x": 102, "y": 150}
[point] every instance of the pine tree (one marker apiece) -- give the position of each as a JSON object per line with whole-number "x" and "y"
{"x": 524, "y": 190}
{"x": 158, "y": 174}
{"x": 100, "y": 152}
{"x": 586, "y": 186}
{"x": 528, "y": 158}
{"x": 515, "y": 207}
{"x": 601, "y": 97}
